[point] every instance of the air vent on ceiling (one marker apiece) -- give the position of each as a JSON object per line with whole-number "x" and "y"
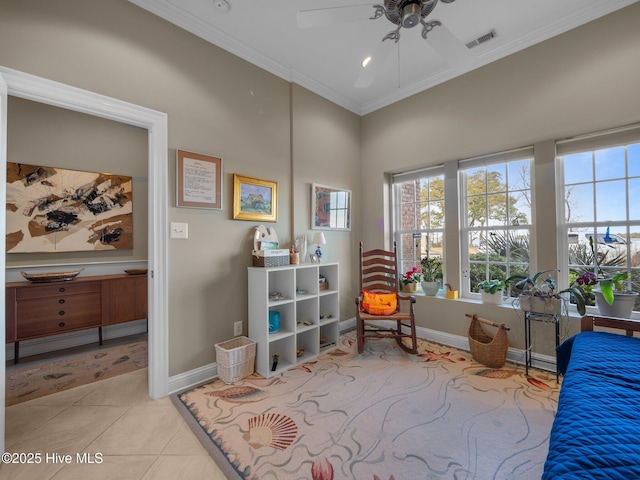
{"x": 482, "y": 39}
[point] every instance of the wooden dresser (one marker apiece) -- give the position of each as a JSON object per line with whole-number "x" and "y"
{"x": 35, "y": 310}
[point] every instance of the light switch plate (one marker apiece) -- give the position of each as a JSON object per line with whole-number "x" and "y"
{"x": 179, "y": 230}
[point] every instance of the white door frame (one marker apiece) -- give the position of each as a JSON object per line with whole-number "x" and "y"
{"x": 30, "y": 87}
{"x": 3, "y": 211}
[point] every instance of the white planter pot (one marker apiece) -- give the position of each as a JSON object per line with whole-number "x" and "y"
{"x": 548, "y": 305}
{"x": 493, "y": 298}
{"x": 621, "y": 307}
{"x": 430, "y": 288}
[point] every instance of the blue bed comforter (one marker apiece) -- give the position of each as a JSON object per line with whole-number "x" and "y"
{"x": 596, "y": 432}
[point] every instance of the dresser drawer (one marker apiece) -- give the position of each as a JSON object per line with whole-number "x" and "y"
{"x": 51, "y": 315}
{"x": 57, "y": 290}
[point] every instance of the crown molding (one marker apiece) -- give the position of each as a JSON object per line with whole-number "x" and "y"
{"x": 539, "y": 35}
{"x": 177, "y": 16}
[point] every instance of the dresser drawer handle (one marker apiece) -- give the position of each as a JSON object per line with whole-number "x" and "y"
{"x": 61, "y": 301}
{"x": 61, "y": 312}
{"x": 62, "y": 289}
{"x": 61, "y": 324}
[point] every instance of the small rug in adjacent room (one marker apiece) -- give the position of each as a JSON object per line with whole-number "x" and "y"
{"x": 44, "y": 378}
{"x": 382, "y": 415}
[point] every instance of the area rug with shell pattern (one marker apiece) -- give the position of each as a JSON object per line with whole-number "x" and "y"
{"x": 380, "y": 415}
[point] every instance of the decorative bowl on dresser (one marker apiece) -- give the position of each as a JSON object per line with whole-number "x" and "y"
{"x": 51, "y": 276}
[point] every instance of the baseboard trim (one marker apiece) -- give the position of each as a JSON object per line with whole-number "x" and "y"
{"x": 199, "y": 375}
{"x": 514, "y": 355}
{"x": 189, "y": 379}
{"x": 75, "y": 339}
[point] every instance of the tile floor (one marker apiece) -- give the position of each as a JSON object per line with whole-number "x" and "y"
{"x": 138, "y": 438}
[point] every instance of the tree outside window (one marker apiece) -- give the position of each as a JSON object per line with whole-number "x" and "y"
{"x": 496, "y": 198}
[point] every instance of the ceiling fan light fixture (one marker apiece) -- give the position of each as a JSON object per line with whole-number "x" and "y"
{"x": 411, "y": 15}
{"x": 365, "y": 61}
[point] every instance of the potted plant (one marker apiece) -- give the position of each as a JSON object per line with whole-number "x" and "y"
{"x": 612, "y": 298}
{"x": 491, "y": 291}
{"x": 540, "y": 294}
{"x": 410, "y": 280}
{"x": 431, "y": 274}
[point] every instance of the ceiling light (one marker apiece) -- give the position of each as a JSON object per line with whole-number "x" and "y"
{"x": 366, "y": 61}
{"x": 411, "y": 15}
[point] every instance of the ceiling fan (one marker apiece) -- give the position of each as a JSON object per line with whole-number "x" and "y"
{"x": 404, "y": 14}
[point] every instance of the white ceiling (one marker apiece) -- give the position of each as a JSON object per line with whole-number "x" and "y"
{"x": 326, "y": 60}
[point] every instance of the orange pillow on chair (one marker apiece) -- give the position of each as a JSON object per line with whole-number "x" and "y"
{"x": 379, "y": 303}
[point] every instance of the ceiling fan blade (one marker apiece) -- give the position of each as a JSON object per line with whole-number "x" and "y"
{"x": 449, "y": 47}
{"x": 378, "y": 59}
{"x": 323, "y": 17}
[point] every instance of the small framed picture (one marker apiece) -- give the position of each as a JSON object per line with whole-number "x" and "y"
{"x": 199, "y": 179}
{"x": 330, "y": 208}
{"x": 254, "y": 199}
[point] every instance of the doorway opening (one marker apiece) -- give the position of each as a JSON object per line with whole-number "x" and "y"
{"x": 29, "y": 87}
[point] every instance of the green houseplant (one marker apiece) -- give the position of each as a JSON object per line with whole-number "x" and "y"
{"x": 492, "y": 286}
{"x": 491, "y": 291}
{"x": 540, "y": 293}
{"x": 431, "y": 274}
{"x": 609, "y": 289}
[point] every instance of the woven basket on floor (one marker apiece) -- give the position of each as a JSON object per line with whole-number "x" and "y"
{"x": 488, "y": 350}
{"x": 235, "y": 359}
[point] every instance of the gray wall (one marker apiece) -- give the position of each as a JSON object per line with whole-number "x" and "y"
{"x": 217, "y": 104}
{"x": 40, "y": 134}
{"x": 583, "y": 81}
{"x": 331, "y": 158}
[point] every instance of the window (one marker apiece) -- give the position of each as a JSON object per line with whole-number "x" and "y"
{"x": 496, "y": 212}
{"x": 600, "y": 188}
{"x": 419, "y": 217}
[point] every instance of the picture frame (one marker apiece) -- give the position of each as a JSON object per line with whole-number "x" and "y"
{"x": 199, "y": 180}
{"x": 330, "y": 208}
{"x": 254, "y": 199}
{"x": 55, "y": 210}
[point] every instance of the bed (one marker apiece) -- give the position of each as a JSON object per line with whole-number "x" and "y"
{"x": 596, "y": 431}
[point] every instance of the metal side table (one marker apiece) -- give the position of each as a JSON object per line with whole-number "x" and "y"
{"x": 539, "y": 317}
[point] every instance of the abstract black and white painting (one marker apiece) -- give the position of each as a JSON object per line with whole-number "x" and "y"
{"x": 58, "y": 210}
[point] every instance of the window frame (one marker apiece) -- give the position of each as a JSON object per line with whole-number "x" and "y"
{"x": 525, "y": 153}
{"x": 590, "y": 144}
{"x": 396, "y": 208}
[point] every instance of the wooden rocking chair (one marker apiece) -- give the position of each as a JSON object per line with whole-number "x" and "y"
{"x": 379, "y": 278}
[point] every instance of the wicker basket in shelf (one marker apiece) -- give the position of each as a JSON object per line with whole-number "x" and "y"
{"x": 235, "y": 359}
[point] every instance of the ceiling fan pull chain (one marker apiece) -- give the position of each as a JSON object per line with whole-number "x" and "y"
{"x": 399, "y": 82}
